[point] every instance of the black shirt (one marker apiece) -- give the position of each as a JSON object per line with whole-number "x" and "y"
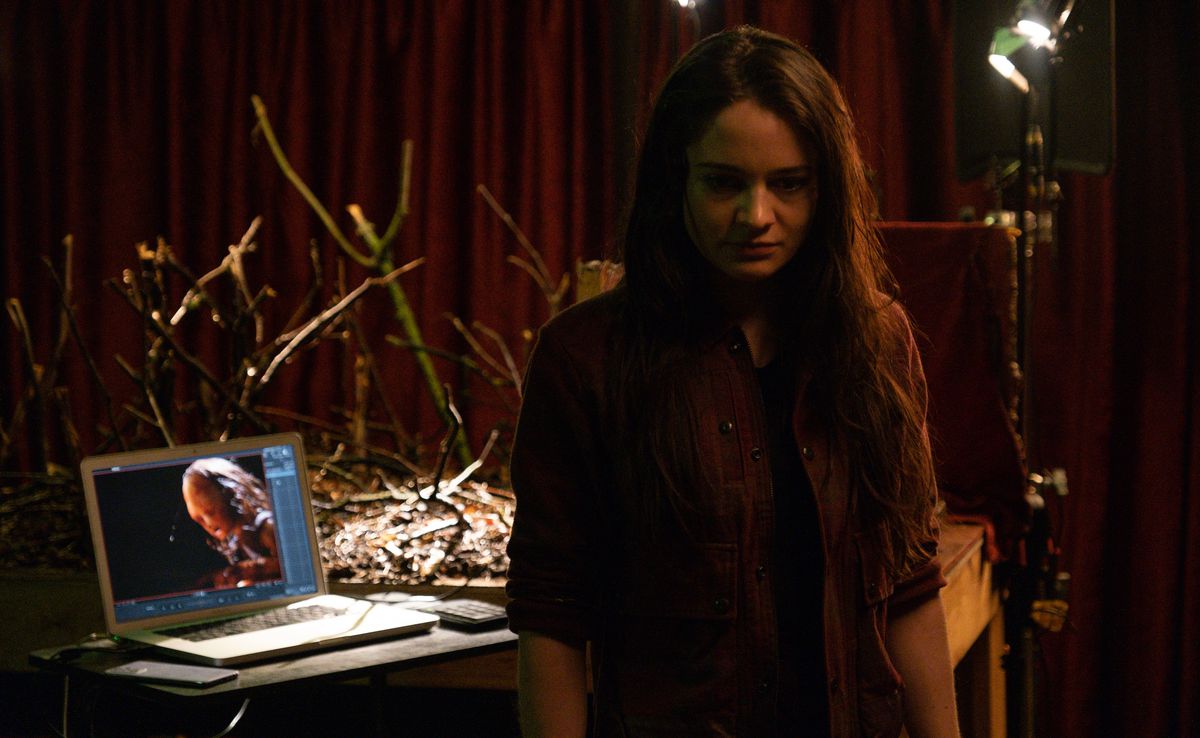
{"x": 797, "y": 566}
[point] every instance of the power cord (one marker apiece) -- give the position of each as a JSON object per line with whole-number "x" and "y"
{"x": 66, "y": 713}
{"x": 404, "y": 599}
{"x": 97, "y": 643}
{"x": 109, "y": 643}
{"x": 236, "y": 719}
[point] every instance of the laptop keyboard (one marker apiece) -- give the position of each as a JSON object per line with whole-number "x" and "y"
{"x": 258, "y": 621}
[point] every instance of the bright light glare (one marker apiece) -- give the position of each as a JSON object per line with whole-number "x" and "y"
{"x": 1036, "y": 32}
{"x": 1002, "y": 65}
{"x": 1010, "y": 72}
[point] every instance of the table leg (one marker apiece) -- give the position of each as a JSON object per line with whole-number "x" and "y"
{"x": 981, "y": 684}
{"x": 379, "y": 689}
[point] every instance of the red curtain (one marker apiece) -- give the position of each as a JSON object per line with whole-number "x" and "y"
{"x": 123, "y": 121}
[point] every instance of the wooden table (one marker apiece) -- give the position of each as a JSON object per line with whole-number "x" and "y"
{"x": 374, "y": 661}
{"x": 450, "y": 660}
{"x": 975, "y": 620}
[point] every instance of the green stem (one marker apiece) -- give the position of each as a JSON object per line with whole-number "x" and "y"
{"x": 380, "y": 259}
{"x": 264, "y": 124}
{"x": 408, "y": 321}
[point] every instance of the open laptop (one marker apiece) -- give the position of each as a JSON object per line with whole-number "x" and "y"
{"x": 196, "y": 541}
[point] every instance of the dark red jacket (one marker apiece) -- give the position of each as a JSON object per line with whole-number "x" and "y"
{"x": 683, "y": 630}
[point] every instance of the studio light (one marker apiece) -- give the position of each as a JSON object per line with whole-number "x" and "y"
{"x": 1031, "y": 25}
{"x": 1037, "y": 33}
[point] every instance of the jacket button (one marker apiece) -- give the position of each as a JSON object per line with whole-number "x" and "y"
{"x": 834, "y": 685}
{"x": 761, "y": 573}
{"x": 735, "y": 347}
{"x": 725, "y": 426}
{"x": 756, "y": 453}
{"x": 764, "y": 687}
{"x": 807, "y": 452}
{"x": 720, "y": 605}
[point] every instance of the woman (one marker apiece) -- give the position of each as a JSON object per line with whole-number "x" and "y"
{"x": 721, "y": 466}
{"x": 234, "y": 509}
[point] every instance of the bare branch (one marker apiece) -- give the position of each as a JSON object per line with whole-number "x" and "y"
{"x": 140, "y": 415}
{"x": 231, "y": 263}
{"x": 364, "y": 227}
{"x": 401, "y": 211}
{"x": 64, "y": 299}
{"x": 463, "y": 361}
{"x": 17, "y": 314}
{"x": 541, "y": 281}
{"x": 514, "y": 373}
{"x": 448, "y": 442}
{"x": 521, "y": 239}
{"x": 314, "y": 289}
{"x": 238, "y": 270}
{"x": 35, "y": 372}
{"x": 160, "y": 420}
{"x": 475, "y": 345}
{"x": 154, "y": 322}
{"x": 129, "y": 370}
{"x": 399, "y": 436}
{"x": 318, "y": 323}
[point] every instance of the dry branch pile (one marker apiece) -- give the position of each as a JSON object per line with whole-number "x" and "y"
{"x": 43, "y": 525}
{"x": 396, "y": 536}
{"x": 381, "y": 516}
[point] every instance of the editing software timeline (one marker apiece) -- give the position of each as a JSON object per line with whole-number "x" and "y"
{"x": 166, "y": 555}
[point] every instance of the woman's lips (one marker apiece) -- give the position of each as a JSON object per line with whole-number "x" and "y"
{"x": 754, "y": 249}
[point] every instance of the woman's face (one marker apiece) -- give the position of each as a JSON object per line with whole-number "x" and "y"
{"x": 207, "y": 506}
{"x": 750, "y": 195}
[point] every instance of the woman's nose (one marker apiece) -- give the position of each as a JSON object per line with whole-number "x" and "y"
{"x": 755, "y": 209}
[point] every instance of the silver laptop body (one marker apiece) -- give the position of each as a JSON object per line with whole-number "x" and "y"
{"x": 196, "y": 538}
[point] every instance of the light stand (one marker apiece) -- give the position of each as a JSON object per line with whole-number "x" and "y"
{"x": 1037, "y": 591}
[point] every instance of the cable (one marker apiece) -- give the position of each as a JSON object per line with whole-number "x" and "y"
{"x": 106, "y": 642}
{"x": 97, "y": 642}
{"x": 66, "y": 713}
{"x": 403, "y": 599}
{"x": 236, "y": 719}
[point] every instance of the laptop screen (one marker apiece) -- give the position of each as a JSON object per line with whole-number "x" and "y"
{"x": 193, "y": 532}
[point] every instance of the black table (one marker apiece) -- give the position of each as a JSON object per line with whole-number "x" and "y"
{"x": 85, "y": 675}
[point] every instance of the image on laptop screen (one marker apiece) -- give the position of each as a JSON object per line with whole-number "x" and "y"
{"x": 185, "y": 535}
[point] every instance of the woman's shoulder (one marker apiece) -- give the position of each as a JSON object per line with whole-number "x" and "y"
{"x": 587, "y": 324}
{"x": 572, "y": 348}
{"x": 893, "y": 316}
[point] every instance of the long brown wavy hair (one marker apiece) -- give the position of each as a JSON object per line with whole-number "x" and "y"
{"x": 842, "y": 323}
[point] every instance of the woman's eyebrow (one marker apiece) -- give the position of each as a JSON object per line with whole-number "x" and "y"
{"x": 717, "y": 166}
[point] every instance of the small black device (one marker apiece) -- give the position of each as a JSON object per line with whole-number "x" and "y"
{"x": 469, "y": 615}
{"x": 165, "y": 672}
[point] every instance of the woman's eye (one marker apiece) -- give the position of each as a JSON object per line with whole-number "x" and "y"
{"x": 721, "y": 183}
{"x": 791, "y": 184}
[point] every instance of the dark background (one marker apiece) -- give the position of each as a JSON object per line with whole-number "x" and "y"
{"x": 142, "y": 558}
{"x": 123, "y": 121}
